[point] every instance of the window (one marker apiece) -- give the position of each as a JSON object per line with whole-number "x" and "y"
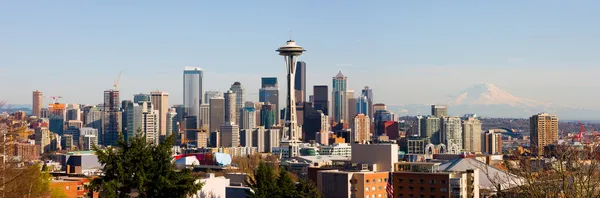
{"x": 378, "y": 195}
{"x": 367, "y": 189}
{"x": 79, "y": 188}
{"x": 400, "y": 187}
{"x": 67, "y": 187}
{"x": 443, "y": 181}
{"x": 379, "y": 188}
{"x": 422, "y": 196}
{"x": 443, "y": 190}
{"x": 373, "y": 188}
{"x": 422, "y": 189}
{"x": 432, "y": 181}
{"x": 400, "y": 180}
{"x": 411, "y": 188}
{"x": 367, "y": 181}
{"x": 421, "y": 181}
{"x": 380, "y": 180}
{"x": 410, "y": 181}
{"x": 431, "y": 189}
{"x": 384, "y": 179}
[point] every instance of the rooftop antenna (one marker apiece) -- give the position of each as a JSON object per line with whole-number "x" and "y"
{"x": 291, "y": 35}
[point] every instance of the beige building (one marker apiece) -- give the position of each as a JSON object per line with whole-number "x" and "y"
{"x": 382, "y": 156}
{"x": 544, "y": 131}
{"x": 471, "y": 134}
{"x": 361, "y": 129}
{"x": 37, "y": 103}
{"x": 335, "y": 183}
{"x": 160, "y": 102}
{"x": 43, "y": 139}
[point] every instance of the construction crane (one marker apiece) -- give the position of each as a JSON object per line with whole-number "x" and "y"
{"x": 117, "y": 81}
{"x": 579, "y": 136}
{"x": 55, "y": 98}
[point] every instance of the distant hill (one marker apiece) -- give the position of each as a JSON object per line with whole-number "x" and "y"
{"x": 490, "y": 101}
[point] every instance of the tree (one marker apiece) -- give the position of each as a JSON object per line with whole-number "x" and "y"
{"x": 285, "y": 185}
{"x": 307, "y": 189}
{"x": 263, "y": 183}
{"x": 137, "y": 167}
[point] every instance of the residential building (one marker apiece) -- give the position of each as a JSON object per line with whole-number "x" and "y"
{"x": 386, "y": 155}
{"x": 429, "y": 127}
{"x": 248, "y": 118}
{"x": 88, "y": 137}
{"x": 439, "y": 111}
{"x": 143, "y": 118}
{"x": 172, "y": 125}
{"x": 544, "y": 131}
{"x": 438, "y": 184}
{"x": 112, "y": 120}
{"x": 471, "y": 134}
{"x": 451, "y": 134}
{"x": 364, "y": 184}
{"x": 492, "y": 142}
{"x": 238, "y": 89}
{"x": 37, "y": 103}
{"x": 361, "y": 131}
{"x": 160, "y": 102}
{"x": 42, "y": 139}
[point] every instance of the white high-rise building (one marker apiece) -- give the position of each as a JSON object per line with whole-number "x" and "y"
{"x": 193, "y": 86}
{"x": 471, "y": 134}
{"x": 451, "y": 134}
{"x": 172, "y": 125}
{"x": 88, "y": 138}
{"x": 238, "y": 89}
{"x": 248, "y": 118}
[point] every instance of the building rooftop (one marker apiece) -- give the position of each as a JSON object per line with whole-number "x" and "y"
{"x": 488, "y": 172}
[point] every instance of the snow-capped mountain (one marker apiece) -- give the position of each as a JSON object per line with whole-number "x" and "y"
{"x": 490, "y": 101}
{"x": 489, "y": 94}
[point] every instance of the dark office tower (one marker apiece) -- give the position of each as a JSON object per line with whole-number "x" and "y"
{"x": 141, "y": 97}
{"x": 179, "y": 109}
{"x": 439, "y": 110}
{"x": 268, "y": 115}
{"x": 217, "y": 113}
{"x": 300, "y": 82}
{"x": 321, "y": 98}
{"x": 368, "y": 94}
{"x": 270, "y": 93}
{"x": 112, "y": 117}
{"x": 312, "y": 123}
{"x": 126, "y": 108}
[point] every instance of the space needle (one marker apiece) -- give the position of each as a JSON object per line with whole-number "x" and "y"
{"x": 290, "y": 52}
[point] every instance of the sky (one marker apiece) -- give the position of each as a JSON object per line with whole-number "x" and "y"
{"x": 409, "y": 52}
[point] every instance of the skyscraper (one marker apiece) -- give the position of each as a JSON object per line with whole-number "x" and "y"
{"x": 451, "y": 134}
{"x": 57, "y": 115}
{"x": 212, "y": 94}
{"x": 471, "y": 134}
{"x": 230, "y": 135}
{"x": 544, "y": 131}
{"x": 160, "y": 102}
{"x": 492, "y": 142}
{"x": 143, "y": 118}
{"x": 230, "y": 107}
{"x": 112, "y": 122}
{"x": 238, "y": 89}
{"x": 269, "y": 93}
{"x": 193, "y": 86}
{"x": 362, "y": 105}
{"x": 368, "y": 94}
{"x": 429, "y": 127}
{"x": 217, "y": 113}
{"x": 382, "y": 116}
{"x": 361, "y": 132}
{"x": 321, "y": 98}
{"x": 267, "y": 115}
{"x": 439, "y": 110}
{"x": 351, "y": 108}
{"x": 172, "y": 123}
{"x": 37, "y": 103}
{"x": 141, "y": 97}
{"x": 204, "y": 120}
{"x": 248, "y": 118}
{"x": 339, "y": 98}
{"x": 300, "y": 82}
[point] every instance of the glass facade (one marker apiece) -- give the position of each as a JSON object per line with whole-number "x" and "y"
{"x": 192, "y": 90}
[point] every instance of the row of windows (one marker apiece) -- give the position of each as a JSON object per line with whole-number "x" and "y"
{"x": 373, "y": 188}
{"x": 421, "y": 196}
{"x": 377, "y": 180}
{"x": 422, "y": 189}
{"x": 421, "y": 181}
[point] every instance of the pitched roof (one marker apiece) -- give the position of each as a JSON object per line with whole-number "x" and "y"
{"x": 339, "y": 75}
{"x": 487, "y": 173}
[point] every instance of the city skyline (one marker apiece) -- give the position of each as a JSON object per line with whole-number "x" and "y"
{"x": 424, "y": 53}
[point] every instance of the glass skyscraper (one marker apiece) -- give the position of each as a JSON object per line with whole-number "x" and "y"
{"x": 193, "y": 84}
{"x": 339, "y": 98}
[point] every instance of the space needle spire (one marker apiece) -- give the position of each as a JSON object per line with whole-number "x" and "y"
{"x": 290, "y": 51}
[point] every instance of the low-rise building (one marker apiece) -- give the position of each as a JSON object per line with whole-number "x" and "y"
{"x": 441, "y": 184}
{"x": 341, "y": 149}
{"x": 362, "y": 184}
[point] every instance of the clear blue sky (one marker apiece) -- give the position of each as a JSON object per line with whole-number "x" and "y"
{"x": 407, "y": 51}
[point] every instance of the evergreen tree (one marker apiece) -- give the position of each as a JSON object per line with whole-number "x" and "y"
{"x": 307, "y": 189}
{"x": 264, "y": 182}
{"x": 285, "y": 184}
{"x": 145, "y": 169}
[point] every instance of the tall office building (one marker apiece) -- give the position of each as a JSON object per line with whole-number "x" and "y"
{"x": 544, "y": 131}
{"x": 93, "y": 118}
{"x": 248, "y": 118}
{"x": 57, "y": 114}
{"x": 451, "y": 134}
{"x": 230, "y": 135}
{"x": 471, "y": 133}
{"x": 143, "y": 118}
{"x": 362, "y": 105}
{"x": 258, "y": 139}
{"x": 339, "y": 98}
{"x": 193, "y": 86}
{"x": 268, "y": 115}
{"x": 172, "y": 123}
{"x": 429, "y": 128}
{"x": 439, "y": 110}
{"x": 238, "y": 89}
{"x": 73, "y": 114}
{"x": 204, "y": 119}
{"x": 160, "y": 102}
{"x": 368, "y": 95}
{"x": 217, "y": 113}
{"x": 42, "y": 139}
{"x": 379, "y": 106}
{"x": 382, "y": 116}
{"x": 321, "y": 98}
{"x": 37, "y": 103}
{"x": 230, "y": 107}
{"x": 300, "y": 82}
{"x": 141, "y": 97}
{"x": 269, "y": 93}
{"x": 361, "y": 132}
{"x": 351, "y": 107}
{"x": 125, "y": 105}
{"x": 112, "y": 120}
{"x": 212, "y": 94}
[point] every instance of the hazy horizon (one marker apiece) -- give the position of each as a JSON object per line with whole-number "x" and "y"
{"x": 407, "y": 52}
